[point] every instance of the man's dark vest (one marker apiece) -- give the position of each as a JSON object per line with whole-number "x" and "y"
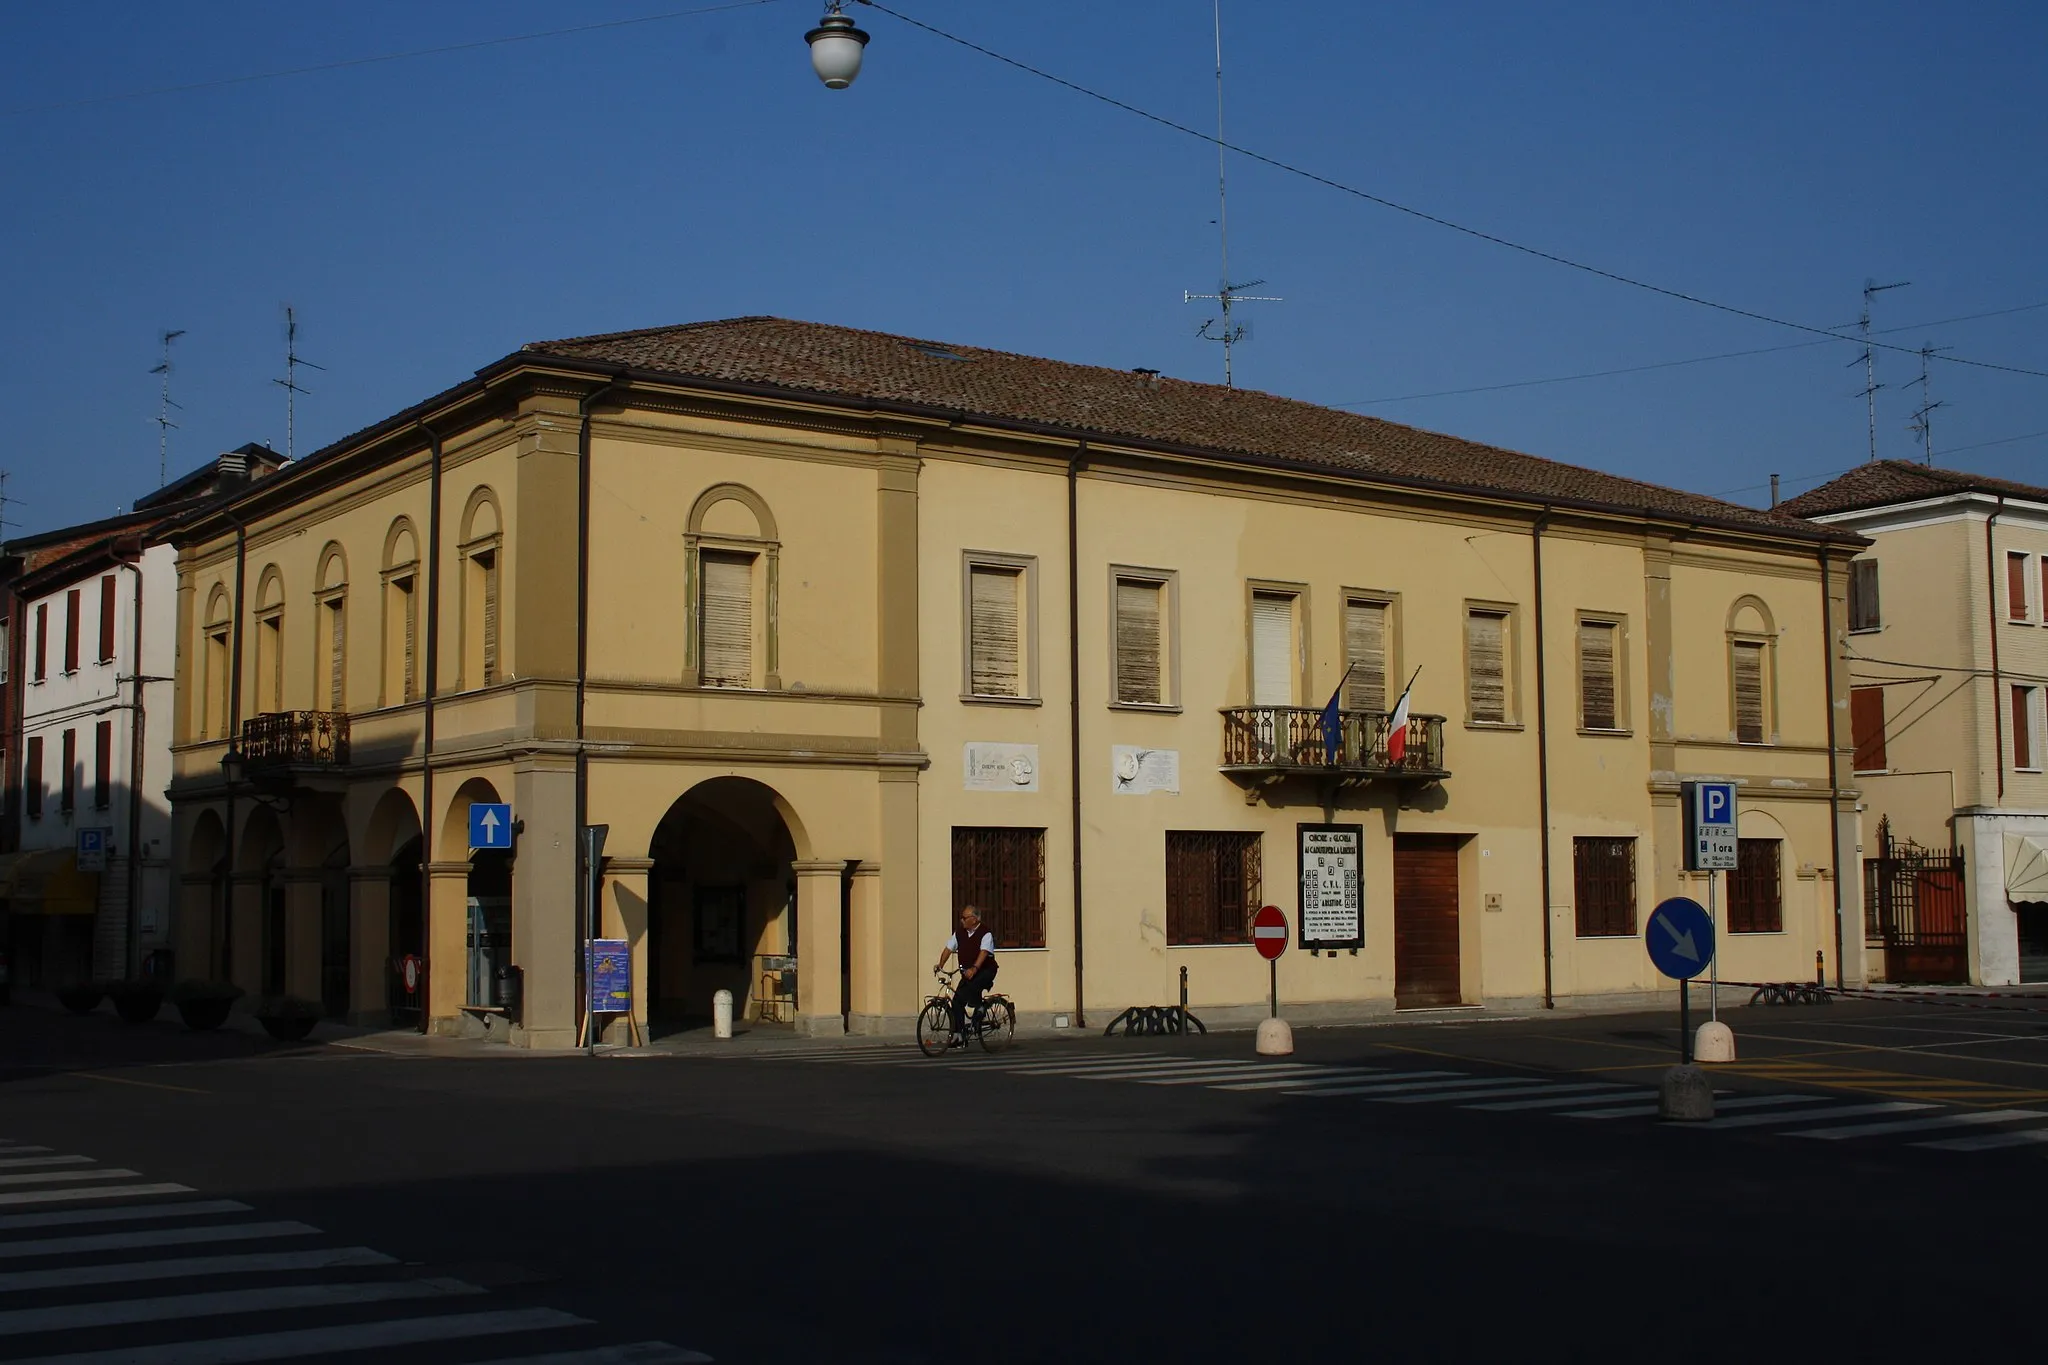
{"x": 967, "y": 944}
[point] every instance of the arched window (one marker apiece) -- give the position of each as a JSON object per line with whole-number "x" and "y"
{"x": 330, "y": 602}
{"x": 269, "y": 641}
{"x": 215, "y": 661}
{"x": 482, "y": 550}
{"x": 400, "y": 681}
{"x": 733, "y": 568}
{"x": 1752, "y": 672}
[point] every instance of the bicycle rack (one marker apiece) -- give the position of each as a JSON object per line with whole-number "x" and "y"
{"x": 1791, "y": 993}
{"x": 1154, "y": 1021}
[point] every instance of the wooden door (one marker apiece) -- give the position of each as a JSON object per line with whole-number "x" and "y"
{"x": 1426, "y": 970}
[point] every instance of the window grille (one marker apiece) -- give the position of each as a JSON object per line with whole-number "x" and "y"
{"x": 1755, "y": 892}
{"x": 1212, "y": 886}
{"x": 1001, "y": 873}
{"x": 1604, "y": 887}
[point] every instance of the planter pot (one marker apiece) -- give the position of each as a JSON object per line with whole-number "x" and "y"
{"x": 80, "y": 999}
{"x": 287, "y": 1028}
{"x": 138, "y": 1006}
{"x": 204, "y": 1014}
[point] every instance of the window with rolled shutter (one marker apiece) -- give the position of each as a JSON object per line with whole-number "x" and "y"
{"x": 1138, "y": 639}
{"x": 1272, "y": 649}
{"x": 726, "y": 620}
{"x": 1866, "y": 726}
{"x": 409, "y": 607}
{"x": 1597, "y": 710}
{"x": 32, "y": 778}
{"x": 993, "y": 624}
{"x": 337, "y": 684}
{"x": 1365, "y": 650}
{"x": 106, "y": 618}
{"x": 1749, "y": 693}
{"x": 1864, "y": 613}
{"x": 42, "y": 642}
{"x": 1486, "y": 692}
{"x": 488, "y": 563}
{"x": 71, "y": 630}
{"x": 103, "y": 765}
{"x": 2022, "y": 727}
{"x": 2016, "y": 587}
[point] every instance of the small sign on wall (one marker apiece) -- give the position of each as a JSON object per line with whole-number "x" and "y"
{"x": 999, "y": 767}
{"x": 1139, "y": 772}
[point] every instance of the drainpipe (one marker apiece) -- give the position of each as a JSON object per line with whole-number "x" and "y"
{"x": 1827, "y": 626}
{"x": 1997, "y": 701}
{"x": 1543, "y": 752}
{"x": 427, "y": 695}
{"x": 135, "y": 774}
{"x": 227, "y": 912}
{"x": 1074, "y": 710}
{"x": 585, "y": 913}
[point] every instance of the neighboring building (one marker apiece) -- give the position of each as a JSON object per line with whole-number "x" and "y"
{"x": 837, "y": 631}
{"x": 1948, "y": 660}
{"x": 88, "y": 735}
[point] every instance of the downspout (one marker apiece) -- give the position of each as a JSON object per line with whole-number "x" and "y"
{"x": 1074, "y": 712}
{"x": 1542, "y": 753}
{"x": 1827, "y": 626}
{"x": 1997, "y": 701}
{"x": 585, "y": 914}
{"x": 227, "y": 909}
{"x": 135, "y": 774}
{"x": 427, "y": 694}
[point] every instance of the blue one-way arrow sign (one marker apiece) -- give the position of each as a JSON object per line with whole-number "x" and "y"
{"x": 1680, "y": 938}
{"x": 490, "y": 824}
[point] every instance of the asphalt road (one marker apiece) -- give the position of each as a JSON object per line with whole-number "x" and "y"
{"x": 1453, "y": 1192}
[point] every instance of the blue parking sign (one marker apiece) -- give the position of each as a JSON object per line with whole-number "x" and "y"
{"x": 490, "y": 824}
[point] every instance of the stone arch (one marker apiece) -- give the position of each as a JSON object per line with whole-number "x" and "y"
{"x": 262, "y": 841}
{"x": 482, "y": 517}
{"x": 1752, "y": 823}
{"x": 206, "y": 846}
{"x": 316, "y": 829}
{"x": 401, "y": 544}
{"x": 219, "y": 606}
{"x": 394, "y": 822}
{"x": 1751, "y": 615}
{"x": 333, "y": 574}
{"x": 269, "y": 588}
{"x": 452, "y": 843}
{"x": 763, "y": 529}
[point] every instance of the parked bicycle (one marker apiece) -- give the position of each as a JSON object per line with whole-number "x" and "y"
{"x": 993, "y": 1023}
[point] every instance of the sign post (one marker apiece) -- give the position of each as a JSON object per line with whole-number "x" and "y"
{"x": 1269, "y": 936}
{"x": 1711, "y": 846}
{"x": 1680, "y": 941}
{"x": 593, "y": 876}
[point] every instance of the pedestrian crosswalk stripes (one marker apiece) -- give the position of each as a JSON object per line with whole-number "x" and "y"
{"x": 17, "y": 1163}
{"x": 1541, "y": 1095}
{"x": 161, "y": 1279}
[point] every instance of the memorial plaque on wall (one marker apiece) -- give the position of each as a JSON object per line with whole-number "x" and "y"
{"x": 1332, "y": 863}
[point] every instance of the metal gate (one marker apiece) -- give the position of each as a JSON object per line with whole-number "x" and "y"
{"x": 1913, "y": 904}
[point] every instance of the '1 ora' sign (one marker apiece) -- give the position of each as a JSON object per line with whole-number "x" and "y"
{"x": 1269, "y": 932}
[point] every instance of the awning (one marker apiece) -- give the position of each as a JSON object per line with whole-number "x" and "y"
{"x": 46, "y": 881}
{"x": 2026, "y": 867}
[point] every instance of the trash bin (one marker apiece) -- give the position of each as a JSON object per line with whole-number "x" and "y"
{"x": 508, "y": 984}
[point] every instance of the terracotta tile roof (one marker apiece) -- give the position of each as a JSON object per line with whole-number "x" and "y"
{"x": 909, "y": 374}
{"x": 1883, "y": 482}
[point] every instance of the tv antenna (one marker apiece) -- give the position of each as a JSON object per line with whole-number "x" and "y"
{"x": 290, "y": 383}
{"x": 164, "y": 424}
{"x": 1225, "y": 329}
{"x": 1922, "y": 424}
{"x": 1868, "y": 359}
{"x": 4, "y": 501}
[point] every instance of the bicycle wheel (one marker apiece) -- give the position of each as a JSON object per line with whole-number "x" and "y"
{"x": 934, "y": 1029}
{"x": 998, "y": 1026}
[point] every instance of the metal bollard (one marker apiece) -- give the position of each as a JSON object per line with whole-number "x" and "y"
{"x": 721, "y": 1015}
{"x": 1820, "y": 970}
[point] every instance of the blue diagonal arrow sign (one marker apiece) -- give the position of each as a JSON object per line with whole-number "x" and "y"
{"x": 1680, "y": 938}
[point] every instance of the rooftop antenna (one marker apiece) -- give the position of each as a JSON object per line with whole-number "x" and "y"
{"x": 290, "y": 382}
{"x": 5, "y": 522}
{"x": 1869, "y": 357}
{"x": 1922, "y": 424}
{"x": 164, "y": 424}
{"x": 1225, "y": 330}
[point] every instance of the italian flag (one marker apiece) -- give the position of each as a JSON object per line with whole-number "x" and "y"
{"x": 1397, "y": 726}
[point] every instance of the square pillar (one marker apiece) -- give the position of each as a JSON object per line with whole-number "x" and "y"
{"x": 545, "y": 943}
{"x": 369, "y": 937}
{"x": 302, "y": 933}
{"x": 818, "y": 1007}
{"x": 196, "y": 942}
{"x": 624, "y": 915}
{"x": 245, "y": 931}
{"x": 447, "y": 945}
{"x": 869, "y": 1006}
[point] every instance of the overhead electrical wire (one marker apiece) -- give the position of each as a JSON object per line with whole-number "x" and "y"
{"x": 1422, "y": 215}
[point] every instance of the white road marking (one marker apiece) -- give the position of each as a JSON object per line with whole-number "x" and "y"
{"x": 320, "y": 1341}
{"x": 97, "y": 1192}
{"x": 1850, "y": 1111}
{"x": 1406, "y": 1080}
{"x": 1329, "y": 1073}
{"x": 1768, "y": 1101}
{"x": 182, "y": 1267}
{"x": 1564, "y": 1103}
{"x": 69, "y": 1317}
{"x": 125, "y": 1213}
{"x": 1586, "y": 1092}
{"x": 18, "y": 1163}
{"x": 1204, "y": 1074}
{"x": 1633, "y": 1111}
{"x": 66, "y": 1177}
{"x": 153, "y": 1237}
{"x": 1969, "y": 1119}
{"x": 1090, "y": 1068}
{"x": 21, "y": 1151}
{"x": 1990, "y": 1141}
{"x": 635, "y": 1353}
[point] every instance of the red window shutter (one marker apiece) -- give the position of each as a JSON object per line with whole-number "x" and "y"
{"x": 71, "y": 631}
{"x": 2016, "y": 587}
{"x": 67, "y": 781}
{"x": 103, "y": 765}
{"x": 42, "y": 641}
{"x": 2022, "y": 740}
{"x": 106, "y": 618}
{"x": 32, "y": 778}
{"x": 1866, "y": 724}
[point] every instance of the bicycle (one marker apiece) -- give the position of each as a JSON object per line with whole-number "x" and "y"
{"x": 993, "y": 1022}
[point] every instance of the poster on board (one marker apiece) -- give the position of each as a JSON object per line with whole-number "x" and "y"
{"x": 1332, "y": 863}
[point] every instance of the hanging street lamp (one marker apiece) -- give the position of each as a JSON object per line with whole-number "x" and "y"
{"x": 836, "y": 48}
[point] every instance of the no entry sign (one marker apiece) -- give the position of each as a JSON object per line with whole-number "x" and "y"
{"x": 1269, "y": 932}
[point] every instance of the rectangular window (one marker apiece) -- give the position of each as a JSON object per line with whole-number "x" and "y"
{"x": 1863, "y": 607}
{"x": 103, "y": 765}
{"x": 1597, "y": 660}
{"x": 213, "y": 720}
{"x": 67, "y": 780}
{"x": 726, "y": 619}
{"x": 1365, "y": 650}
{"x": 71, "y": 631}
{"x": 1755, "y": 898}
{"x": 1273, "y": 653}
{"x": 1866, "y": 725}
{"x": 2026, "y": 730}
{"x": 106, "y": 618}
{"x": 1486, "y": 676}
{"x": 1212, "y": 886}
{"x": 334, "y": 640}
{"x": 480, "y": 619}
{"x": 1140, "y": 641}
{"x": 401, "y": 640}
{"x": 42, "y": 641}
{"x": 1001, "y": 873}
{"x": 995, "y": 630}
{"x": 1749, "y": 692}
{"x": 32, "y": 778}
{"x": 6, "y": 638}
{"x": 1604, "y": 887}
{"x": 270, "y": 662}
{"x": 2016, "y": 587}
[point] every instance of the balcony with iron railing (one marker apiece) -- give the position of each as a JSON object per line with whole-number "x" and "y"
{"x": 1270, "y": 742}
{"x": 281, "y": 740}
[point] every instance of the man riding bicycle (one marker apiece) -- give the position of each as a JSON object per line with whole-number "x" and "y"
{"x": 976, "y": 948}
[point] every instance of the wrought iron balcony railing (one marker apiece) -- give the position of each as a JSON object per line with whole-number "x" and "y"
{"x": 1281, "y": 740}
{"x": 281, "y": 739}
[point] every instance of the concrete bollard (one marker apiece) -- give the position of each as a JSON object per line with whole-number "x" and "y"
{"x": 1686, "y": 1096}
{"x": 1276, "y": 1039}
{"x": 721, "y": 1015}
{"x": 1715, "y": 1042}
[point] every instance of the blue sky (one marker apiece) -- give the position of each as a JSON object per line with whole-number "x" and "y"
{"x": 428, "y": 215}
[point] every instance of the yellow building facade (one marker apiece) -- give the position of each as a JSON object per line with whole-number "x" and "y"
{"x": 835, "y": 631}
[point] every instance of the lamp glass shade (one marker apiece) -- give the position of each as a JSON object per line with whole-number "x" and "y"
{"x": 836, "y": 50}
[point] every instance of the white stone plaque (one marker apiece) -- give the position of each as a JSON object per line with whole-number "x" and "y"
{"x": 1139, "y": 772}
{"x": 1332, "y": 885}
{"x": 999, "y": 767}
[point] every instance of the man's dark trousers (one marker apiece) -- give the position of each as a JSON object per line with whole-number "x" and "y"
{"x": 967, "y": 995}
